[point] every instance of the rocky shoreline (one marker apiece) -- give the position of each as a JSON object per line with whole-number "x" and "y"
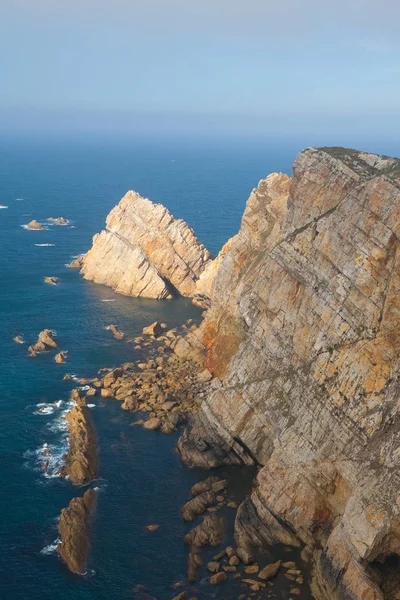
{"x": 293, "y": 369}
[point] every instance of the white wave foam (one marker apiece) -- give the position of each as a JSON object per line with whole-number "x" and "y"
{"x": 108, "y": 300}
{"x": 43, "y": 245}
{"x": 51, "y": 548}
{"x": 32, "y": 228}
{"x": 3, "y": 206}
{"x": 19, "y": 199}
{"x": 91, "y": 405}
{"x": 44, "y": 410}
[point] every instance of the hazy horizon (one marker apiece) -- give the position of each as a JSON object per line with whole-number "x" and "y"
{"x": 245, "y": 68}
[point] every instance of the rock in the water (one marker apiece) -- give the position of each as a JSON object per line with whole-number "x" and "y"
{"x": 197, "y": 506}
{"x": 51, "y": 280}
{"x": 76, "y": 263}
{"x": 58, "y": 220}
{"x": 302, "y": 339}
{"x": 81, "y": 458}
{"x": 45, "y": 341}
{"x": 194, "y": 562}
{"x": 152, "y": 423}
{"x": 119, "y": 335}
{"x": 154, "y": 329}
{"x": 218, "y": 578}
{"x": 269, "y": 571}
{"x": 61, "y": 357}
{"x": 204, "y": 486}
{"x": 145, "y": 252}
{"x": 19, "y": 339}
{"x": 74, "y": 532}
{"x": 210, "y": 532}
{"x": 35, "y": 225}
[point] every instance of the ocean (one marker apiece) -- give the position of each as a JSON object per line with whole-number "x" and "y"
{"x": 141, "y": 479}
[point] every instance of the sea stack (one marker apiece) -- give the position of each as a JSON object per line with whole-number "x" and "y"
{"x": 73, "y": 528}
{"x": 302, "y": 340}
{"x": 145, "y": 252}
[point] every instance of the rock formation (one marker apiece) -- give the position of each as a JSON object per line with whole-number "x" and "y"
{"x": 74, "y": 532}
{"x": 76, "y": 263}
{"x": 45, "y": 341}
{"x": 119, "y": 335}
{"x": 51, "y": 280}
{"x": 35, "y": 225}
{"x": 81, "y": 458}
{"x": 302, "y": 339}
{"x": 58, "y": 220}
{"x": 61, "y": 357}
{"x": 145, "y": 252}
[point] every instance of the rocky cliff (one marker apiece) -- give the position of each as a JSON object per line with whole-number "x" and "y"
{"x": 145, "y": 252}
{"x": 303, "y": 339}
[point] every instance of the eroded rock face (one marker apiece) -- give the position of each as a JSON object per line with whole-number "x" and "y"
{"x": 74, "y": 532}
{"x": 302, "y": 339}
{"x": 145, "y": 252}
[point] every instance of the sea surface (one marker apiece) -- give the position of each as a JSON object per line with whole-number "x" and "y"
{"x": 141, "y": 479}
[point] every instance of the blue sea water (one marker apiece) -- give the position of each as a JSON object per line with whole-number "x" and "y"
{"x": 141, "y": 479}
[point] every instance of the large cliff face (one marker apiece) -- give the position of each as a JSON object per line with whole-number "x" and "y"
{"x": 303, "y": 339}
{"x": 145, "y": 252}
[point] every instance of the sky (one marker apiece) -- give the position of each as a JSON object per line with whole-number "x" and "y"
{"x": 275, "y": 67}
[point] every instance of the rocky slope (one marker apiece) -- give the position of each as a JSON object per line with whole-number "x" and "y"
{"x": 302, "y": 339}
{"x": 145, "y": 252}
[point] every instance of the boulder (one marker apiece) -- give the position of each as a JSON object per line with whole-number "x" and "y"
{"x": 51, "y": 280}
{"x": 154, "y": 329}
{"x": 197, "y": 506}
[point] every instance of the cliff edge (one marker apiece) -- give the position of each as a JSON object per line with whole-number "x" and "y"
{"x": 302, "y": 339}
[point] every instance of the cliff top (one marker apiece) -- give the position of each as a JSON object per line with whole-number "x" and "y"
{"x": 365, "y": 164}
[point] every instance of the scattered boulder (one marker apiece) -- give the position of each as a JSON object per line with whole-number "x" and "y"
{"x": 245, "y": 555}
{"x": 213, "y": 566}
{"x": 152, "y": 527}
{"x": 51, "y": 280}
{"x": 35, "y": 225}
{"x": 74, "y": 532}
{"x": 194, "y": 562}
{"x": 67, "y": 377}
{"x": 119, "y": 335}
{"x": 18, "y": 339}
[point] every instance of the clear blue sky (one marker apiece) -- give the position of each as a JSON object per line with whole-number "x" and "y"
{"x": 241, "y": 65}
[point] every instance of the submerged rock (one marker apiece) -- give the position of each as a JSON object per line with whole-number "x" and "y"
{"x": 74, "y": 532}
{"x": 145, "y": 252}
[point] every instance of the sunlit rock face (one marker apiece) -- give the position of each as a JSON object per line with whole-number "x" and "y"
{"x": 303, "y": 339}
{"x": 145, "y": 252}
